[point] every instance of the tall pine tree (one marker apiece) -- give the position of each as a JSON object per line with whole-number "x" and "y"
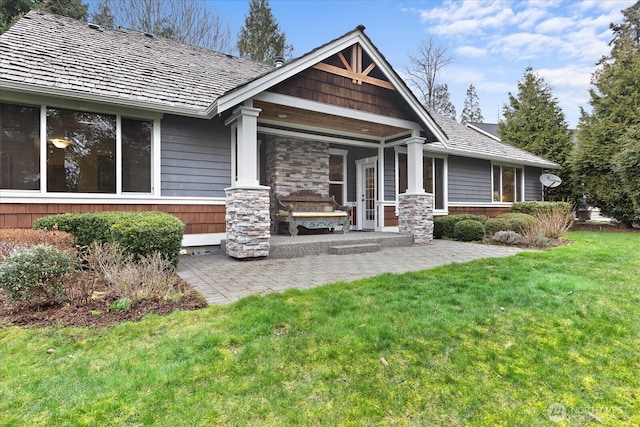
{"x": 534, "y": 121}
{"x": 12, "y": 10}
{"x": 611, "y": 126}
{"x": 471, "y": 112}
{"x": 260, "y": 38}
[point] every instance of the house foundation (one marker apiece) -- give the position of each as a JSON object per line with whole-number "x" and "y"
{"x": 248, "y": 222}
{"x": 415, "y": 217}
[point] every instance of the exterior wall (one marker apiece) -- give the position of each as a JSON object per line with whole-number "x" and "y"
{"x": 389, "y": 175}
{"x": 469, "y": 180}
{"x": 320, "y": 86}
{"x": 196, "y": 157}
{"x": 491, "y": 212}
{"x": 390, "y": 217}
{"x": 198, "y": 218}
{"x": 532, "y": 185}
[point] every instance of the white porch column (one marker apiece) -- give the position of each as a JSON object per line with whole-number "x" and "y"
{"x": 247, "y": 146}
{"x": 414, "y": 165}
{"x": 248, "y": 205}
{"x": 415, "y": 207}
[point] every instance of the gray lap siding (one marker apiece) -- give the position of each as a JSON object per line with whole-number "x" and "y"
{"x": 469, "y": 180}
{"x": 532, "y": 186}
{"x": 195, "y": 157}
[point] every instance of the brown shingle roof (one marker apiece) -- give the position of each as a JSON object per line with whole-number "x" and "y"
{"x": 58, "y": 53}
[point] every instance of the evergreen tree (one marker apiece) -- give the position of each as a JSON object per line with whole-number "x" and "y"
{"x": 442, "y": 101}
{"x": 606, "y": 132}
{"x": 260, "y": 38}
{"x": 471, "y": 112}
{"x": 534, "y": 121}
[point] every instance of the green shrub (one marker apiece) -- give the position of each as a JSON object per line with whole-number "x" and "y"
{"x": 469, "y": 230}
{"x": 534, "y": 208}
{"x": 510, "y": 221}
{"x": 36, "y": 271}
{"x": 140, "y": 233}
{"x": 493, "y": 225}
{"x": 443, "y": 226}
{"x": 147, "y": 232}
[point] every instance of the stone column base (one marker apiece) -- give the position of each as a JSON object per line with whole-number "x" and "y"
{"x": 415, "y": 217}
{"x": 248, "y": 222}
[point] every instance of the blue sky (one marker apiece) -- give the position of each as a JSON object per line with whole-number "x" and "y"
{"x": 492, "y": 42}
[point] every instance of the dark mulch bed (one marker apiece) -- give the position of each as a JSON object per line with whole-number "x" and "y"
{"x": 96, "y": 312}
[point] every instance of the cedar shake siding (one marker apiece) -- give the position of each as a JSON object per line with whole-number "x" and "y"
{"x": 196, "y": 157}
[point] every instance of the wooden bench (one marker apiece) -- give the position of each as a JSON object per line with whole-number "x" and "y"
{"x": 311, "y": 210}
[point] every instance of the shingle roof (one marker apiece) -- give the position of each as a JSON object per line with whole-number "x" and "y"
{"x": 491, "y": 128}
{"x": 58, "y": 53}
{"x": 466, "y": 142}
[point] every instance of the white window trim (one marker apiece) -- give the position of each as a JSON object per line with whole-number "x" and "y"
{"x": 61, "y": 196}
{"x": 521, "y": 183}
{"x": 344, "y": 154}
{"x": 445, "y": 180}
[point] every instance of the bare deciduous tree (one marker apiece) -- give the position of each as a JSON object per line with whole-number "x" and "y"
{"x": 186, "y": 21}
{"x": 426, "y": 66}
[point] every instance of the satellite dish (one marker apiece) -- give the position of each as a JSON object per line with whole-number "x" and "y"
{"x": 550, "y": 180}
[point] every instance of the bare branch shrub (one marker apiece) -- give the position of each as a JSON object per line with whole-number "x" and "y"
{"x": 13, "y": 239}
{"x": 148, "y": 277}
{"x": 79, "y": 286}
{"x": 555, "y": 222}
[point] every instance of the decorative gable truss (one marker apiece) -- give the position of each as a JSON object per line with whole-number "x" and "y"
{"x": 358, "y": 68}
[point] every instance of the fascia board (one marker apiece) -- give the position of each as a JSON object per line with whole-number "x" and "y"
{"x": 462, "y": 153}
{"x": 98, "y": 99}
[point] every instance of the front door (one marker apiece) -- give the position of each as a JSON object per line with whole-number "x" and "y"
{"x": 367, "y": 209}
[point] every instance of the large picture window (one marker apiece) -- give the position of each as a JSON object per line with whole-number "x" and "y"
{"x": 19, "y": 147}
{"x": 432, "y": 177}
{"x": 82, "y": 151}
{"x": 507, "y": 184}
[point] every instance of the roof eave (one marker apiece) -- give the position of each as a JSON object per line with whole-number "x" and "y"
{"x": 101, "y": 99}
{"x": 462, "y": 153}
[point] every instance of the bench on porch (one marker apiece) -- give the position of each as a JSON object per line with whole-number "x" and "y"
{"x": 311, "y": 210}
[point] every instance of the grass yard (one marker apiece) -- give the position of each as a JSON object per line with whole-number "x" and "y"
{"x": 531, "y": 340}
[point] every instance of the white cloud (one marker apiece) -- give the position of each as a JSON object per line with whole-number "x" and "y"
{"x": 471, "y": 51}
{"x": 555, "y": 25}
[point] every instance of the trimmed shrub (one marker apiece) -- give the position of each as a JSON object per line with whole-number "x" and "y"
{"x": 140, "y": 233}
{"x": 493, "y": 225}
{"x": 507, "y": 237}
{"x": 534, "y": 208}
{"x": 147, "y": 232}
{"x": 36, "y": 271}
{"x": 510, "y": 221}
{"x": 12, "y": 240}
{"x": 469, "y": 230}
{"x": 443, "y": 226}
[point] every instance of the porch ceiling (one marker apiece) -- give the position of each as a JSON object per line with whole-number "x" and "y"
{"x": 325, "y": 122}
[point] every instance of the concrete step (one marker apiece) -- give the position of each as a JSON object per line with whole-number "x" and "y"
{"x": 360, "y": 248}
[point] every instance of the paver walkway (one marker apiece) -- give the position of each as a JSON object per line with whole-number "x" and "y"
{"x": 222, "y": 279}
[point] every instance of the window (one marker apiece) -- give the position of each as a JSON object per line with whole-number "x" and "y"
{"x": 337, "y": 172}
{"x": 432, "y": 177}
{"x": 81, "y": 151}
{"x": 19, "y": 147}
{"x": 507, "y": 184}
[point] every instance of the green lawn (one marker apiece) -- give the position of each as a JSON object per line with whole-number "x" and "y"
{"x": 492, "y": 342}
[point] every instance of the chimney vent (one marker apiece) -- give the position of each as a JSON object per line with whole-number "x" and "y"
{"x": 278, "y": 61}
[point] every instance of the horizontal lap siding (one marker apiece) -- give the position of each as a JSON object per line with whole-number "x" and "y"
{"x": 389, "y": 175}
{"x": 469, "y": 180}
{"x": 196, "y": 157}
{"x": 197, "y": 218}
{"x": 532, "y": 185}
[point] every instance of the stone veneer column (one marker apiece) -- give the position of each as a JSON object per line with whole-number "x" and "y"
{"x": 248, "y": 219}
{"x": 415, "y": 216}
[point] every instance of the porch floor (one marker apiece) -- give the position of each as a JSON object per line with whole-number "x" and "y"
{"x": 222, "y": 279}
{"x": 285, "y": 247}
